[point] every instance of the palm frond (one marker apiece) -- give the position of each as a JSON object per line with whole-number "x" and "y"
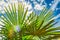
{"x": 19, "y": 26}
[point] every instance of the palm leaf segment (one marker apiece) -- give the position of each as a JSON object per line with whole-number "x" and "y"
{"x": 19, "y": 26}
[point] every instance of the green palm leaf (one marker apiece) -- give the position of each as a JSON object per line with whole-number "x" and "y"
{"x": 19, "y": 26}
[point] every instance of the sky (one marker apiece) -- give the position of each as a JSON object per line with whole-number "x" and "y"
{"x": 47, "y": 3}
{"x": 36, "y": 6}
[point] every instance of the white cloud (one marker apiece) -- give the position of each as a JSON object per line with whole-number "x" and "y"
{"x": 35, "y": 3}
{"x": 39, "y": 7}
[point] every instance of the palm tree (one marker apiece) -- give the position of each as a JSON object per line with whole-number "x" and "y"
{"x": 20, "y": 26}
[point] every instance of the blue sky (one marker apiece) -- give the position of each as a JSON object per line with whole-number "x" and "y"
{"x": 46, "y": 2}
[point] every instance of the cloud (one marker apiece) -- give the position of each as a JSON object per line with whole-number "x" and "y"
{"x": 39, "y": 7}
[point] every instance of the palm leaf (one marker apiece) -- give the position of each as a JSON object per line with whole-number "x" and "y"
{"x": 19, "y": 26}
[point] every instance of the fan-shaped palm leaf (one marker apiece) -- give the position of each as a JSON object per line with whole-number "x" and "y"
{"x": 18, "y": 27}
